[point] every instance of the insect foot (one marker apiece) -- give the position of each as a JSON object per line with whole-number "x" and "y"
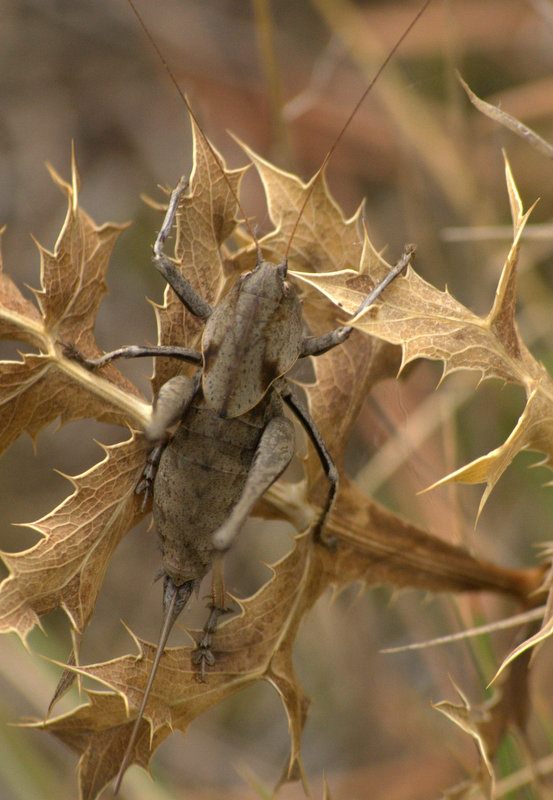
{"x": 203, "y": 656}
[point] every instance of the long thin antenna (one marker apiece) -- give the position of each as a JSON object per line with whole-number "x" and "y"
{"x": 352, "y": 114}
{"x": 185, "y": 100}
{"x": 329, "y": 154}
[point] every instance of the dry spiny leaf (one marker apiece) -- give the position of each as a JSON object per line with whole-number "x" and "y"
{"x": 429, "y": 323}
{"x": 487, "y": 723}
{"x": 66, "y": 567}
{"x": 45, "y": 386}
{"x": 471, "y": 721}
{"x": 375, "y": 546}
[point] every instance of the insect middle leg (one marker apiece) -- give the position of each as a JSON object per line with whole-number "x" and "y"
{"x": 171, "y": 403}
{"x": 133, "y": 351}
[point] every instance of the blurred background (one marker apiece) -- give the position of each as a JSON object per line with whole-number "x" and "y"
{"x": 430, "y": 170}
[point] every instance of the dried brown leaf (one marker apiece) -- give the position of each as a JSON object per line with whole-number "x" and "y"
{"x": 489, "y": 722}
{"x": 375, "y": 546}
{"x": 41, "y": 388}
{"x": 324, "y": 239}
{"x": 533, "y": 431}
{"x": 535, "y": 640}
{"x": 72, "y": 276}
{"x": 471, "y": 720}
{"x": 257, "y": 644}
{"x": 382, "y": 548}
{"x": 429, "y": 323}
{"x": 66, "y": 567}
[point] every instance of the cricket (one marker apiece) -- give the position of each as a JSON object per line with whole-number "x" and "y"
{"x": 219, "y": 439}
{"x": 233, "y": 550}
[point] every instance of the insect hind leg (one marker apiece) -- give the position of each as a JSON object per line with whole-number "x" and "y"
{"x": 203, "y": 656}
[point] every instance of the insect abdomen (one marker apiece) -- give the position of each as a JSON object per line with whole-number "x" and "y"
{"x": 201, "y": 476}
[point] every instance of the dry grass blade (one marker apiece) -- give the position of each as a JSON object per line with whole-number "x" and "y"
{"x": 508, "y": 121}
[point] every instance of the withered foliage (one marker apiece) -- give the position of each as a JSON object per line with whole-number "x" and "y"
{"x": 331, "y": 258}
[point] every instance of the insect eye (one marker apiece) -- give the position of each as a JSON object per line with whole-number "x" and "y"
{"x": 289, "y": 290}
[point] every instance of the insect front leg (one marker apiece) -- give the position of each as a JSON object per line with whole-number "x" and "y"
{"x": 317, "y": 345}
{"x": 186, "y": 293}
{"x": 329, "y": 466}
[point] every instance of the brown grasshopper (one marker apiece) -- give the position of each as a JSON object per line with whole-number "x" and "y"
{"x": 232, "y": 439}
